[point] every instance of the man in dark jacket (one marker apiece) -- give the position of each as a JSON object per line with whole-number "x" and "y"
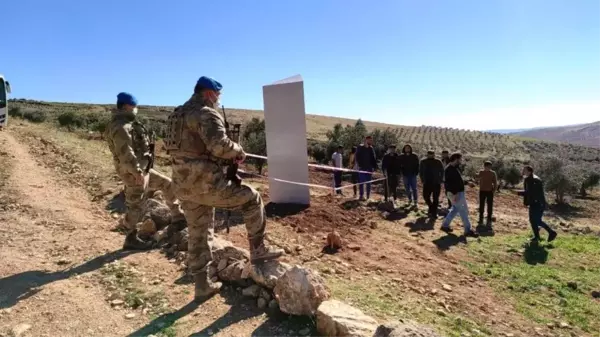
{"x": 535, "y": 198}
{"x": 455, "y": 190}
{"x": 432, "y": 174}
{"x": 409, "y": 163}
{"x": 446, "y": 162}
{"x": 366, "y": 162}
{"x": 391, "y": 169}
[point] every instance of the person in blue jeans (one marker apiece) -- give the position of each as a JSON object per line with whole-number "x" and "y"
{"x": 455, "y": 190}
{"x": 366, "y": 162}
{"x": 535, "y": 198}
{"x": 409, "y": 164}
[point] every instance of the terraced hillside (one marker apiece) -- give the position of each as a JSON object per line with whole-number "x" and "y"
{"x": 473, "y": 143}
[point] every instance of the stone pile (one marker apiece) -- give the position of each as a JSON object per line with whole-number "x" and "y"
{"x": 277, "y": 285}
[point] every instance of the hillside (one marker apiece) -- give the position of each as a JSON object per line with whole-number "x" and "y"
{"x": 64, "y": 274}
{"x": 316, "y": 125}
{"x": 582, "y": 134}
{"x": 473, "y": 143}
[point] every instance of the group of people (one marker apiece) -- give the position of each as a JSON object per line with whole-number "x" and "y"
{"x": 435, "y": 173}
{"x": 200, "y": 148}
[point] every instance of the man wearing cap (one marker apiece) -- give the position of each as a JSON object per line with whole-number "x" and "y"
{"x": 432, "y": 174}
{"x": 200, "y": 149}
{"x": 129, "y": 143}
{"x": 390, "y": 166}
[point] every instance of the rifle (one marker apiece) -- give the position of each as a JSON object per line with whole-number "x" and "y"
{"x": 232, "y": 167}
{"x": 151, "y": 147}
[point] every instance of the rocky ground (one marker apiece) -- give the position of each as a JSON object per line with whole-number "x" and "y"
{"x": 63, "y": 272}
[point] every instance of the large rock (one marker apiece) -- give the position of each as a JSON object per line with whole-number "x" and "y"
{"x": 233, "y": 272}
{"x": 147, "y": 228}
{"x": 267, "y": 273}
{"x": 223, "y": 249}
{"x": 335, "y": 318}
{"x": 158, "y": 211}
{"x": 404, "y": 328}
{"x": 300, "y": 291}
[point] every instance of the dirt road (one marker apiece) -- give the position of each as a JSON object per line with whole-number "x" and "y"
{"x": 60, "y": 262}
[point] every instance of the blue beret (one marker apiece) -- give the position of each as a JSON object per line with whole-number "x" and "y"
{"x": 126, "y": 98}
{"x": 209, "y": 83}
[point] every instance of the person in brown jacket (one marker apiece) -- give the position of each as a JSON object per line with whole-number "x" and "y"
{"x": 488, "y": 182}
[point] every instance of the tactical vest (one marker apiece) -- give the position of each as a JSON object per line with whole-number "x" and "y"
{"x": 181, "y": 141}
{"x": 140, "y": 138}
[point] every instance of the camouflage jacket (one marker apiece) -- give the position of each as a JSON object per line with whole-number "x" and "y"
{"x": 128, "y": 142}
{"x": 198, "y": 131}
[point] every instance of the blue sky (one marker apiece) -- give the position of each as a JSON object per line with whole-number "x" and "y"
{"x": 462, "y": 63}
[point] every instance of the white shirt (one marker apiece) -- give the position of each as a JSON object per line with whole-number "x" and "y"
{"x": 337, "y": 159}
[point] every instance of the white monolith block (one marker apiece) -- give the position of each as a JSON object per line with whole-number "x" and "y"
{"x": 285, "y": 126}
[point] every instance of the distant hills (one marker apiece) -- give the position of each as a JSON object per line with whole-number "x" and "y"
{"x": 582, "y": 134}
{"x": 507, "y": 131}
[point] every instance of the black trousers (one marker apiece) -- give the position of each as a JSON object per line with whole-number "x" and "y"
{"x": 337, "y": 179}
{"x": 354, "y": 181}
{"x": 391, "y": 187}
{"x": 486, "y": 197}
{"x": 430, "y": 190}
{"x": 536, "y": 212}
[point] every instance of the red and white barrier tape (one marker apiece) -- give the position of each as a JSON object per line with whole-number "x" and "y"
{"x": 326, "y": 167}
{"x": 311, "y": 185}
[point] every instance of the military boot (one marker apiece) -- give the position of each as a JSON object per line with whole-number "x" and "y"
{"x": 260, "y": 252}
{"x": 133, "y": 242}
{"x": 204, "y": 288}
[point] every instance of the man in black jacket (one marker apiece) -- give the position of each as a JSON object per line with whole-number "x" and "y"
{"x": 390, "y": 166}
{"x": 446, "y": 162}
{"x": 455, "y": 190}
{"x": 535, "y": 198}
{"x": 366, "y": 162}
{"x": 409, "y": 163}
{"x": 432, "y": 174}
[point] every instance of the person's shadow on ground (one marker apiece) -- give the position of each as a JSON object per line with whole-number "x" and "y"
{"x": 421, "y": 224}
{"x": 447, "y": 241}
{"x": 21, "y": 286}
{"x": 241, "y": 309}
{"x": 117, "y": 203}
{"x": 535, "y": 254}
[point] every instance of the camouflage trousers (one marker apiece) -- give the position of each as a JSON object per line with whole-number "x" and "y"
{"x": 199, "y": 207}
{"x": 136, "y": 194}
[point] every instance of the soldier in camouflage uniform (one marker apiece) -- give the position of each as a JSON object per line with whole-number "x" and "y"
{"x": 129, "y": 142}
{"x": 200, "y": 149}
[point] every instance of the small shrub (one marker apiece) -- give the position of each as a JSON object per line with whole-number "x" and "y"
{"x": 35, "y": 116}
{"x": 70, "y": 120}
{"x": 318, "y": 152}
{"x": 512, "y": 175}
{"x": 15, "y": 112}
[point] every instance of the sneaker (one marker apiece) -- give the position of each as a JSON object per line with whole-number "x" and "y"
{"x": 471, "y": 234}
{"x": 446, "y": 229}
{"x": 552, "y": 236}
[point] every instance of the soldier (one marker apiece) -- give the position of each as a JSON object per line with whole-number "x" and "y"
{"x": 200, "y": 148}
{"x": 129, "y": 143}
